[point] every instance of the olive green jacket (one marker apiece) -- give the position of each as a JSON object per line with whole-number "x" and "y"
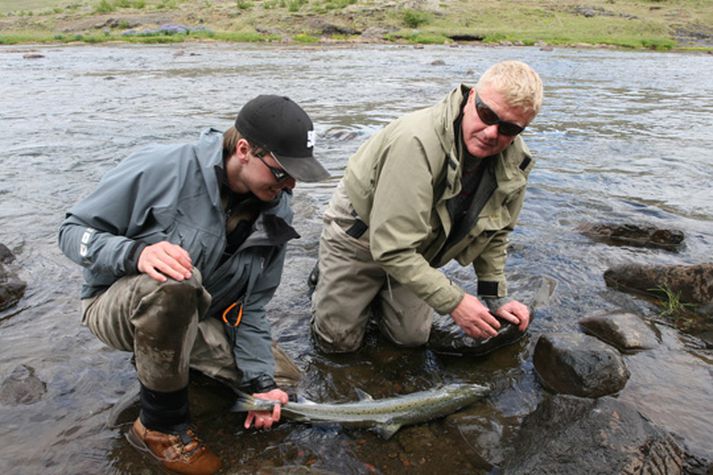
{"x": 399, "y": 182}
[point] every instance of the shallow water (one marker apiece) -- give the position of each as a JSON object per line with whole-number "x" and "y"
{"x": 623, "y": 136}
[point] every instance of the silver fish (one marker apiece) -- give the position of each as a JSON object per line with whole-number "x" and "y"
{"x": 384, "y": 416}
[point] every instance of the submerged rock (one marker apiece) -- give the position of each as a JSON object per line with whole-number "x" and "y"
{"x": 6, "y": 256}
{"x": 634, "y": 235}
{"x": 567, "y": 434}
{"x": 691, "y": 283}
{"x": 22, "y": 387}
{"x": 448, "y": 338}
{"x": 579, "y": 364}
{"x": 625, "y": 331}
{"x": 12, "y": 288}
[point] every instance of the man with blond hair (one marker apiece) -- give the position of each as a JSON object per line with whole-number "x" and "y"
{"x": 442, "y": 183}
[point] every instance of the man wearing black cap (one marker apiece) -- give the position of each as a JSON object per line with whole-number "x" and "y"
{"x": 183, "y": 246}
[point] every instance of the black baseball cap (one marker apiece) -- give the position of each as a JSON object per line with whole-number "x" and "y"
{"x": 280, "y": 126}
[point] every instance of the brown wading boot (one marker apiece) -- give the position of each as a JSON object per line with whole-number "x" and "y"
{"x": 180, "y": 453}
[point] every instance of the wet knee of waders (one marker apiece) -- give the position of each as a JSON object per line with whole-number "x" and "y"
{"x": 178, "y": 301}
{"x": 406, "y": 337}
{"x": 334, "y": 343}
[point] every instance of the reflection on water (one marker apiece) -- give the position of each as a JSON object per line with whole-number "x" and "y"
{"x": 622, "y": 137}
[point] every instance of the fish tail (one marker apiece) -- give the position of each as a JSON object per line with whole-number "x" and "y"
{"x": 242, "y": 405}
{"x": 246, "y": 403}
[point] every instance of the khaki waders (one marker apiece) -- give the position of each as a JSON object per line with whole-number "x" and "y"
{"x": 350, "y": 282}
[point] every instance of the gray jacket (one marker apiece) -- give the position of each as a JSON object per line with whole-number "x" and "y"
{"x": 172, "y": 193}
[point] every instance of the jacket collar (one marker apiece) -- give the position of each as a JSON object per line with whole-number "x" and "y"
{"x": 209, "y": 152}
{"x": 448, "y": 114}
{"x": 271, "y": 226}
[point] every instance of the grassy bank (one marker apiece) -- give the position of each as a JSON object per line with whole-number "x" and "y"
{"x": 651, "y": 24}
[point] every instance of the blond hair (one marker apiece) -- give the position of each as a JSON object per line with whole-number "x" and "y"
{"x": 518, "y": 82}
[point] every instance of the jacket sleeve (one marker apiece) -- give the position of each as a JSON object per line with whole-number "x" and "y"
{"x": 99, "y": 251}
{"x": 400, "y": 222}
{"x": 252, "y": 340}
{"x": 490, "y": 264}
{"x": 101, "y": 231}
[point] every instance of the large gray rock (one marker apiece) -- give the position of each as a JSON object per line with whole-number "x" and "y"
{"x": 567, "y": 435}
{"x": 573, "y": 363}
{"x": 625, "y": 331}
{"x": 634, "y": 235}
{"x": 692, "y": 283}
{"x": 22, "y": 387}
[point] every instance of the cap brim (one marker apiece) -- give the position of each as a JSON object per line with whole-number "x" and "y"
{"x": 303, "y": 168}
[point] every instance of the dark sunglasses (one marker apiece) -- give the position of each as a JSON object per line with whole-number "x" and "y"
{"x": 488, "y": 117}
{"x": 278, "y": 173}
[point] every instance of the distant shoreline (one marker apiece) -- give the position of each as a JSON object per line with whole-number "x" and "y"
{"x": 29, "y": 48}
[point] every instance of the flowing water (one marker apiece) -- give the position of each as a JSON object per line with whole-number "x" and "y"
{"x": 623, "y": 136}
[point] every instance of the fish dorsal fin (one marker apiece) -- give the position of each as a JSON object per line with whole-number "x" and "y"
{"x": 363, "y": 395}
{"x": 386, "y": 430}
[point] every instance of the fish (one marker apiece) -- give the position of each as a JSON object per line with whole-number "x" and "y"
{"x": 383, "y": 416}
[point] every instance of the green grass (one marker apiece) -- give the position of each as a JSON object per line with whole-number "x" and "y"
{"x": 305, "y": 38}
{"x": 105, "y": 6}
{"x": 415, "y": 18}
{"x": 337, "y": 4}
{"x": 20, "y": 38}
{"x": 7, "y": 6}
{"x": 670, "y": 304}
{"x": 238, "y": 37}
{"x": 295, "y": 5}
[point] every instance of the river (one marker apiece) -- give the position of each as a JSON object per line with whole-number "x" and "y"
{"x": 623, "y": 136}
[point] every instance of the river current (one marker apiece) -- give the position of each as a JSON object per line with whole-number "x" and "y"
{"x": 623, "y": 137}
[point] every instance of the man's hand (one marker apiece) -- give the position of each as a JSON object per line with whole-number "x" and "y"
{"x": 163, "y": 259}
{"x": 474, "y": 318}
{"x": 515, "y": 312}
{"x": 265, "y": 419}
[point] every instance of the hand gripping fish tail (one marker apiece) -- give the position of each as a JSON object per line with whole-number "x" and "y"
{"x": 384, "y": 416}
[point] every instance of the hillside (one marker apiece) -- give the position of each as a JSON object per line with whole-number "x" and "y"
{"x": 652, "y": 24}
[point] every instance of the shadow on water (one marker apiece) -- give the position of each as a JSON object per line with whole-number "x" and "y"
{"x": 611, "y": 145}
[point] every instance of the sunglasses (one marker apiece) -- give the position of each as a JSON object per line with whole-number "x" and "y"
{"x": 488, "y": 117}
{"x": 278, "y": 173}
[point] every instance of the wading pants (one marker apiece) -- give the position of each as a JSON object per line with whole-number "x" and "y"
{"x": 350, "y": 283}
{"x": 160, "y": 323}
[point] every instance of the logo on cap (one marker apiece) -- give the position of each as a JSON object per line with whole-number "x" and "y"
{"x": 310, "y": 138}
